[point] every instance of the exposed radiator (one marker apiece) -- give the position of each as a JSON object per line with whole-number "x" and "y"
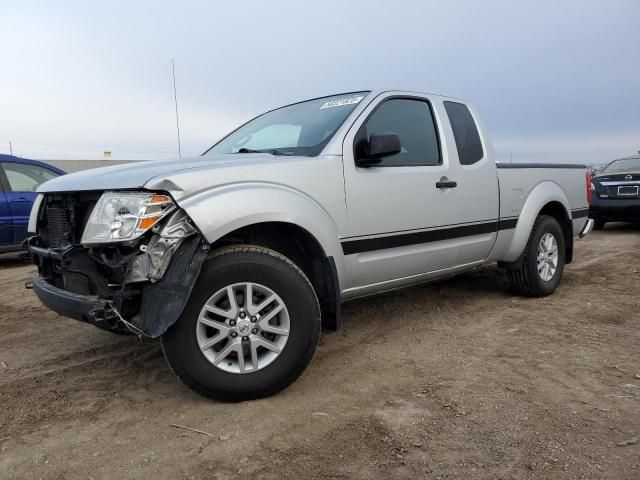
{"x": 64, "y": 216}
{"x": 58, "y": 226}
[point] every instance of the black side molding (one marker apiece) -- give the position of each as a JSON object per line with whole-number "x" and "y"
{"x": 403, "y": 239}
{"x": 580, "y": 213}
{"x": 507, "y": 223}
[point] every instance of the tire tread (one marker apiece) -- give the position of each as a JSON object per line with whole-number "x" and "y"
{"x": 520, "y": 280}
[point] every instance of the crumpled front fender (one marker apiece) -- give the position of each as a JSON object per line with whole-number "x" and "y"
{"x": 222, "y": 210}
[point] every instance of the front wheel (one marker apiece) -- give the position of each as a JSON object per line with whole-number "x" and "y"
{"x": 542, "y": 262}
{"x": 250, "y": 328}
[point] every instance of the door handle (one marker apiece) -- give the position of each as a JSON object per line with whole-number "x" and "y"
{"x": 21, "y": 199}
{"x": 446, "y": 183}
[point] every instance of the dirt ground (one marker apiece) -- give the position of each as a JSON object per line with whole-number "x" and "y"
{"x": 458, "y": 379}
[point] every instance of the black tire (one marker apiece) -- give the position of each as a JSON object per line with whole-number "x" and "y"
{"x": 527, "y": 281}
{"x": 235, "y": 265}
{"x": 598, "y": 224}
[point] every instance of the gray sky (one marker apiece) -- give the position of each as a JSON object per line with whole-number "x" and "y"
{"x": 553, "y": 80}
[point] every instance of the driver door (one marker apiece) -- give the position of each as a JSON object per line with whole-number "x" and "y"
{"x": 396, "y": 209}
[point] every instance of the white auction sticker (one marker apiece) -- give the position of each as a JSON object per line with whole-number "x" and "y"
{"x": 341, "y": 101}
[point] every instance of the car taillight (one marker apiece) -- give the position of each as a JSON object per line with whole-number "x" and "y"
{"x": 590, "y": 187}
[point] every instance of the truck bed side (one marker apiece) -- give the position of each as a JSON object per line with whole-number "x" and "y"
{"x": 528, "y": 189}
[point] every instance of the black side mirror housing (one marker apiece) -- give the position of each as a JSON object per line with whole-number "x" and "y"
{"x": 380, "y": 145}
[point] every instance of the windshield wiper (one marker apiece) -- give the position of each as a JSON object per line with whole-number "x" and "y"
{"x": 248, "y": 150}
{"x": 270, "y": 151}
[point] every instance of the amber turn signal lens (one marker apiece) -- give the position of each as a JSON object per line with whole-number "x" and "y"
{"x": 158, "y": 199}
{"x": 147, "y": 223}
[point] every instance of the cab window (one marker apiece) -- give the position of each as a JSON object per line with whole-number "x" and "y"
{"x": 412, "y": 120}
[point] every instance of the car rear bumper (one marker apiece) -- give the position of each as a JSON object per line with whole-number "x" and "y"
{"x": 586, "y": 230}
{"x": 627, "y": 210}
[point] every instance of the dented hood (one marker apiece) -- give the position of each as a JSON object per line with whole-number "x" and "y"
{"x": 141, "y": 174}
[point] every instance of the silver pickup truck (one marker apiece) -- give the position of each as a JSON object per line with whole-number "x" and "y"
{"x": 237, "y": 258}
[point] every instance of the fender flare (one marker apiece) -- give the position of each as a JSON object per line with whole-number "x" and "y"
{"x": 541, "y": 195}
{"x": 224, "y": 209}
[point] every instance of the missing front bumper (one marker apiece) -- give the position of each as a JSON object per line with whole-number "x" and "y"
{"x": 161, "y": 303}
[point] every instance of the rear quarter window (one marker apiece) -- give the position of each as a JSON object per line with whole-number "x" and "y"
{"x": 465, "y": 133}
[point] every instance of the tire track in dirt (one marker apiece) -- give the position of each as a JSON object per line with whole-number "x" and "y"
{"x": 454, "y": 380}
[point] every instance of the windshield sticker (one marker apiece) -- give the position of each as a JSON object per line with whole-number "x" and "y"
{"x": 341, "y": 102}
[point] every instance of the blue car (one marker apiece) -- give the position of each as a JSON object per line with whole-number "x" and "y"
{"x": 19, "y": 179}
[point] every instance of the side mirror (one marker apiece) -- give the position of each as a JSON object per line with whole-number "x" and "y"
{"x": 384, "y": 145}
{"x": 380, "y": 145}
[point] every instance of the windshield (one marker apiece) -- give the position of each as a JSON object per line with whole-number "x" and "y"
{"x": 300, "y": 129}
{"x": 627, "y": 165}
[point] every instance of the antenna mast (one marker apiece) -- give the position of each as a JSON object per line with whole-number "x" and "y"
{"x": 175, "y": 98}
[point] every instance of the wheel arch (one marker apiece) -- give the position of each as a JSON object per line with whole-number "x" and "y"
{"x": 546, "y": 198}
{"x": 302, "y": 248}
{"x": 556, "y": 210}
{"x": 281, "y": 218}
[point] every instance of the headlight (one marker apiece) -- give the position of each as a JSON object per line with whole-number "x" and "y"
{"x": 122, "y": 216}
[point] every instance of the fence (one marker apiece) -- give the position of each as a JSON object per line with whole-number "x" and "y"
{"x": 71, "y": 166}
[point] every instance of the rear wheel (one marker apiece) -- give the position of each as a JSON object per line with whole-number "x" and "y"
{"x": 598, "y": 224}
{"x": 543, "y": 260}
{"x": 250, "y": 328}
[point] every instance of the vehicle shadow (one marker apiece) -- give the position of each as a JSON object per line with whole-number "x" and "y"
{"x": 13, "y": 260}
{"x": 620, "y": 228}
{"x": 488, "y": 281}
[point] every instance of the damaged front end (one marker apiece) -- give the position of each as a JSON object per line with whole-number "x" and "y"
{"x": 125, "y": 262}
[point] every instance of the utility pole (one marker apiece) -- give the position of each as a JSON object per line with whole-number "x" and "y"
{"x": 175, "y": 98}
{"x": 10, "y": 148}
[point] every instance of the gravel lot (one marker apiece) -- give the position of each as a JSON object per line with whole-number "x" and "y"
{"x": 453, "y": 380}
